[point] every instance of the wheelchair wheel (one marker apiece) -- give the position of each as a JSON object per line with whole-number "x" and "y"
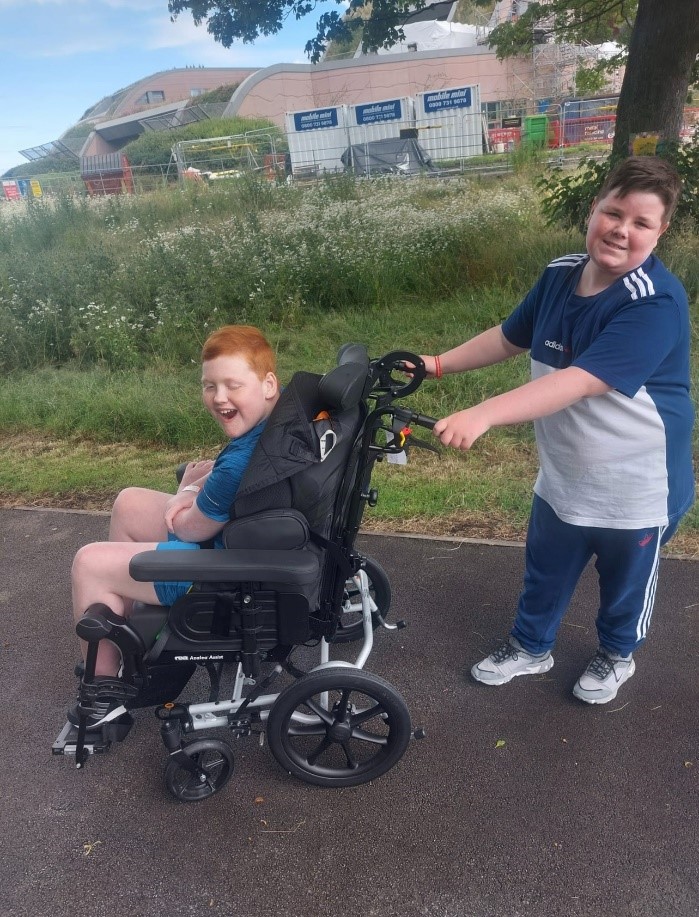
{"x": 350, "y": 626}
{"x": 215, "y": 762}
{"x": 338, "y": 727}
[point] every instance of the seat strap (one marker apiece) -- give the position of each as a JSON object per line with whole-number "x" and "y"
{"x": 224, "y": 606}
{"x": 336, "y": 552}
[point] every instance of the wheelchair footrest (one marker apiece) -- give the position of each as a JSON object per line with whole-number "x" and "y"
{"x": 97, "y": 741}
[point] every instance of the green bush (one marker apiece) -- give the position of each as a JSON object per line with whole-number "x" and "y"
{"x": 154, "y": 148}
{"x": 567, "y": 196}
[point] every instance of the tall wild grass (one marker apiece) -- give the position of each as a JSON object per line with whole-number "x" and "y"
{"x": 123, "y": 282}
{"x": 114, "y": 285}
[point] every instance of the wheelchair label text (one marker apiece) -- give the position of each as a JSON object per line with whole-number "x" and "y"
{"x": 208, "y": 657}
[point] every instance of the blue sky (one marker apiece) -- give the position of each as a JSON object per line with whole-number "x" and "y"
{"x": 59, "y": 57}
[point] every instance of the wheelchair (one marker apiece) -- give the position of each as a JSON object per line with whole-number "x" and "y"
{"x": 288, "y": 577}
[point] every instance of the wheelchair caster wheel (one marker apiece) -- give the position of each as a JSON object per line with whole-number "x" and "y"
{"x": 350, "y": 626}
{"x": 338, "y": 727}
{"x": 213, "y": 762}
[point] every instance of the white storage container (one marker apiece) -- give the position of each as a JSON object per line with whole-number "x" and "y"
{"x": 317, "y": 139}
{"x": 380, "y": 120}
{"x": 449, "y": 122}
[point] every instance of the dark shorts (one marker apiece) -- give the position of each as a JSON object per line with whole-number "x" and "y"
{"x": 168, "y": 592}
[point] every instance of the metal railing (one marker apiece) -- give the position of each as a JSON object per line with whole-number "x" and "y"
{"x": 567, "y": 132}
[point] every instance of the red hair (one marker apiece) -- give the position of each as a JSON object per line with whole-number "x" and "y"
{"x": 241, "y": 341}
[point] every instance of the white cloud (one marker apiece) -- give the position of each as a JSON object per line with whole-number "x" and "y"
{"x": 200, "y": 45}
{"x": 141, "y": 6}
{"x": 114, "y": 26}
{"x": 24, "y": 5}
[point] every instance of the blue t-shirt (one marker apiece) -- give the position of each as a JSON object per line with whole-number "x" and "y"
{"x": 214, "y": 500}
{"x": 623, "y": 459}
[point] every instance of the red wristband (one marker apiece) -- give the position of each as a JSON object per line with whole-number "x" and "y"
{"x": 437, "y": 368}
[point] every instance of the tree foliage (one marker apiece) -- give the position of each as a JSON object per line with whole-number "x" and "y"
{"x": 567, "y": 196}
{"x": 662, "y": 37}
{"x": 380, "y": 22}
{"x": 572, "y": 21}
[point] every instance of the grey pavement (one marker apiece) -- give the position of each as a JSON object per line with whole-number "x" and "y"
{"x": 520, "y": 801}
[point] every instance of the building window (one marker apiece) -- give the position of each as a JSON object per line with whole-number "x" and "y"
{"x": 151, "y": 97}
{"x": 193, "y": 93}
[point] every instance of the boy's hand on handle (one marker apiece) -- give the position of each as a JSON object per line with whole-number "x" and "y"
{"x": 430, "y": 367}
{"x": 461, "y": 430}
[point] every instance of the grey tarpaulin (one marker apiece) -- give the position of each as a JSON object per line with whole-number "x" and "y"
{"x": 395, "y": 155}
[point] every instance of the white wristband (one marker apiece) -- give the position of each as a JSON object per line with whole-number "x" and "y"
{"x": 194, "y": 488}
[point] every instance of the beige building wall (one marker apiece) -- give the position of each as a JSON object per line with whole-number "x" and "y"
{"x": 177, "y": 85}
{"x": 272, "y": 92}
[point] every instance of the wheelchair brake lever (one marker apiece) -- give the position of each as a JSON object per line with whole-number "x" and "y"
{"x": 421, "y": 444}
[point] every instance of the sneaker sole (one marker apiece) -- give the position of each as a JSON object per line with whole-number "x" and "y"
{"x": 536, "y": 669}
{"x": 593, "y": 699}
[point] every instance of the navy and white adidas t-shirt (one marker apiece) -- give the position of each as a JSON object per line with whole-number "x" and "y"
{"x": 624, "y": 459}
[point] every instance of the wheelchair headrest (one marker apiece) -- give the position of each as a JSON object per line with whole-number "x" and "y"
{"x": 353, "y": 353}
{"x": 342, "y": 387}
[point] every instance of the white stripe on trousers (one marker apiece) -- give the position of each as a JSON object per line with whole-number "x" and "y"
{"x": 651, "y": 585}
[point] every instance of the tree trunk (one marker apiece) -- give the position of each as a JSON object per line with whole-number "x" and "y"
{"x": 663, "y": 47}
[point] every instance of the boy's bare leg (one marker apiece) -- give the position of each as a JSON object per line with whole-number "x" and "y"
{"x": 100, "y": 573}
{"x": 138, "y": 515}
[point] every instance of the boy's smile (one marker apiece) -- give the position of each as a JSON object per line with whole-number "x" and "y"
{"x": 621, "y": 234}
{"x": 235, "y": 396}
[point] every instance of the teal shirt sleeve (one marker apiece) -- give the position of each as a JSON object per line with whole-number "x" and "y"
{"x": 217, "y": 495}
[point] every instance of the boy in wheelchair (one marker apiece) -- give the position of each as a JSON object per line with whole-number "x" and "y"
{"x": 284, "y": 574}
{"x": 239, "y": 389}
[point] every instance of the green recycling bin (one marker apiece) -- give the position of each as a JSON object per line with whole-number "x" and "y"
{"x": 535, "y": 133}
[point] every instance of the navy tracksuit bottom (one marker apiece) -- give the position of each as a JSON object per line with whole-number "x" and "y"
{"x": 557, "y": 553}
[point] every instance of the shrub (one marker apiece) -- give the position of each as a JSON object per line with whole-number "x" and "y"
{"x": 125, "y": 282}
{"x": 154, "y": 148}
{"x": 567, "y": 197}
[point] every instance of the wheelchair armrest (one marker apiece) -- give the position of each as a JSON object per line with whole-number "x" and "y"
{"x": 297, "y": 568}
{"x": 272, "y": 529}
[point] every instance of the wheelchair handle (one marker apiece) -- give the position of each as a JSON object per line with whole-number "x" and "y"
{"x": 395, "y": 361}
{"x": 409, "y": 417}
{"x": 422, "y": 420}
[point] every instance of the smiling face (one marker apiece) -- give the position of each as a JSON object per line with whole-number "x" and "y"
{"x": 622, "y": 232}
{"x": 235, "y": 396}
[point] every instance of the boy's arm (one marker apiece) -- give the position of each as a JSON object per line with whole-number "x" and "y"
{"x": 535, "y": 399}
{"x": 484, "y": 350}
{"x": 195, "y": 473}
{"x": 192, "y": 525}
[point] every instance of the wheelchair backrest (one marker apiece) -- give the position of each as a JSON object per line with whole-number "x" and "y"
{"x": 303, "y": 453}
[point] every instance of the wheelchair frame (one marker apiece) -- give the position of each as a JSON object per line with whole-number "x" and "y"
{"x": 335, "y": 725}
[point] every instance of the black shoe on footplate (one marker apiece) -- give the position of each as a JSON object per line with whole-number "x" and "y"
{"x": 97, "y": 714}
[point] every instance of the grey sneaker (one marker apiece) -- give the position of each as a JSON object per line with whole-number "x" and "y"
{"x": 509, "y": 660}
{"x": 605, "y": 674}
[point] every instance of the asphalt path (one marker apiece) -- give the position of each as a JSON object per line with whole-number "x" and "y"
{"x": 520, "y": 801}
